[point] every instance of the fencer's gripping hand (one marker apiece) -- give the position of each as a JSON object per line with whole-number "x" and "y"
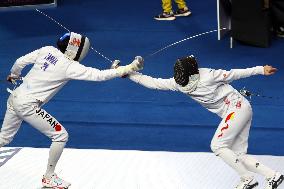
{"x": 136, "y": 65}
{"x": 12, "y": 79}
{"x": 115, "y": 64}
{"x": 269, "y": 70}
{"x": 139, "y": 62}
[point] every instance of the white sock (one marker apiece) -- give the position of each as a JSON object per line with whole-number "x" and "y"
{"x": 255, "y": 166}
{"x": 55, "y": 151}
{"x": 229, "y": 157}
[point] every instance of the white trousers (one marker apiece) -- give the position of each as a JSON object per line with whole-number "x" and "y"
{"x": 26, "y": 109}
{"x": 233, "y": 130}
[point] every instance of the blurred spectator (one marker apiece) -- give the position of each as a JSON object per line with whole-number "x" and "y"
{"x": 277, "y": 9}
{"x": 168, "y": 13}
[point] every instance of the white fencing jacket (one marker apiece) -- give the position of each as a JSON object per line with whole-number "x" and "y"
{"x": 51, "y": 71}
{"x": 212, "y": 89}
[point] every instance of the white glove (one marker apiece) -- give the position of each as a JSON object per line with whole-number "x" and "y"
{"x": 115, "y": 64}
{"x": 136, "y": 65}
{"x": 138, "y": 62}
{"x": 12, "y": 78}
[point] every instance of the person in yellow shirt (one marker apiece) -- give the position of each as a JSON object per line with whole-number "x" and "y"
{"x": 168, "y": 13}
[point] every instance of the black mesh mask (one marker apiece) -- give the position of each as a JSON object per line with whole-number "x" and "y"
{"x": 184, "y": 68}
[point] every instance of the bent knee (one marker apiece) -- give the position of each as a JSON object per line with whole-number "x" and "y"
{"x": 216, "y": 147}
{"x": 61, "y": 137}
{"x": 220, "y": 150}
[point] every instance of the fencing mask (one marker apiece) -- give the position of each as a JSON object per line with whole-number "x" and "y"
{"x": 186, "y": 69}
{"x": 74, "y": 46}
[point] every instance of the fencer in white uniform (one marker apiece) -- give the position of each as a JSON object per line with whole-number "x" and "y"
{"x": 52, "y": 69}
{"x": 212, "y": 90}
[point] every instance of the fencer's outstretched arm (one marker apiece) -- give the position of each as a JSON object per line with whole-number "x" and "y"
{"x": 23, "y": 61}
{"x": 153, "y": 83}
{"x": 235, "y": 74}
{"x": 80, "y": 72}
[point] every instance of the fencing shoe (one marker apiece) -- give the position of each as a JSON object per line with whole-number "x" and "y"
{"x": 182, "y": 12}
{"x": 249, "y": 183}
{"x": 54, "y": 182}
{"x": 165, "y": 16}
{"x": 275, "y": 181}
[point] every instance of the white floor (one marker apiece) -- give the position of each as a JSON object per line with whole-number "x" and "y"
{"x": 110, "y": 169}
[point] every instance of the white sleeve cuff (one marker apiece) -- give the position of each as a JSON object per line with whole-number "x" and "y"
{"x": 260, "y": 70}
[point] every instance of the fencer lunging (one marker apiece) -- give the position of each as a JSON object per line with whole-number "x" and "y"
{"x": 212, "y": 90}
{"x": 52, "y": 69}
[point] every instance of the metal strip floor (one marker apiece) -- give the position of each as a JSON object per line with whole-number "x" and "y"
{"x": 115, "y": 169}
